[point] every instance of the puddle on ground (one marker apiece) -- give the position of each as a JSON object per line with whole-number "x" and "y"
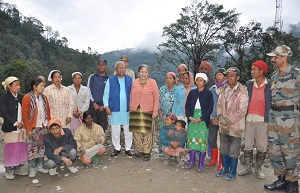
{"x": 2, "y": 169}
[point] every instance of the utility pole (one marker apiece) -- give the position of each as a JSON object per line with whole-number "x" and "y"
{"x": 278, "y": 22}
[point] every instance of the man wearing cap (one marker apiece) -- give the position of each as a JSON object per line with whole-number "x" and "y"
{"x": 283, "y": 127}
{"x": 206, "y": 68}
{"x": 128, "y": 71}
{"x": 96, "y": 83}
{"x": 221, "y": 80}
{"x": 60, "y": 146}
{"x": 231, "y": 110}
{"x": 259, "y": 94}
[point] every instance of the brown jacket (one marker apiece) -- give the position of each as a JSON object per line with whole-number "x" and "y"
{"x": 26, "y": 113}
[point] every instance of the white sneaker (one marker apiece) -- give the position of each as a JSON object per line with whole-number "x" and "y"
{"x": 20, "y": 170}
{"x": 9, "y": 173}
{"x": 52, "y": 171}
{"x": 32, "y": 173}
{"x": 41, "y": 169}
{"x": 73, "y": 169}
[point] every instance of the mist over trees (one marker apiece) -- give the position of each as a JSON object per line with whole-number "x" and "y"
{"x": 205, "y": 32}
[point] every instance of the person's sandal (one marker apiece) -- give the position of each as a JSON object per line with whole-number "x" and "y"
{"x": 147, "y": 157}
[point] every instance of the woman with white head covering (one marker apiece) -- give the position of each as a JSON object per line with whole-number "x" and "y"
{"x": 60, "y": 100}
{"x": 198, "y": 107}
{"x": 81, "y": 100}
{"x": 15, "y": 148}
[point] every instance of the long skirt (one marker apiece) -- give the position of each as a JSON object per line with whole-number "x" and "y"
{"x": 142, "y": 126}
{"x": 140, "y": 122}
{"x": 197, "y": 134}
{"x": 15, "y": 148}
{"x": 36, "y": 147}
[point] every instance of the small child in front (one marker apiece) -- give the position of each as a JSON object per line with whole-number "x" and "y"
{"x": 173, "y": 138}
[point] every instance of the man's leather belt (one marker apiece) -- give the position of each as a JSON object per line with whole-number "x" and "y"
{"x": 285, "y": 108}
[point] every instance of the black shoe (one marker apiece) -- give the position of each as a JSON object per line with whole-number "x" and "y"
{"x": 292, "y": 187}
{"x": 147, "y": 157}
{"x": 139, "y": 155}
{"x": 129, "y": 153}
{"x": 278, "y": 184}
{"x": 115, "y": 153}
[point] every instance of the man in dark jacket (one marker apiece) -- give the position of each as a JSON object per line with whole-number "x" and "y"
{"x": 60, "y": 146}
{"x": 96, "y": 84}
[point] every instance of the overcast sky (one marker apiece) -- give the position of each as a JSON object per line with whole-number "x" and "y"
{"x": 107, "y": 25}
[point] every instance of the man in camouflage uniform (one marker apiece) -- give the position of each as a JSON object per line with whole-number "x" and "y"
{"x": 283, "y": 127}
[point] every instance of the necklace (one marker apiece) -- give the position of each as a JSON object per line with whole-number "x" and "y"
{"x": 144, "y": 82}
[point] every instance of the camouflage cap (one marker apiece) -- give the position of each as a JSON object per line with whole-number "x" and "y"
{"x": 233, "y": 69}
{"x": 282, "y": 50}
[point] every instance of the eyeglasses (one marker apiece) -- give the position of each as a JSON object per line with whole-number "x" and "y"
{"x": 126, "y": 61}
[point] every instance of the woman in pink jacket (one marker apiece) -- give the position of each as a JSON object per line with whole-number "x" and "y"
{"x": 144, "y": 99}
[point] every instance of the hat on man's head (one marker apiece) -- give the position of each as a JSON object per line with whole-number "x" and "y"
{"x": 282, "y": 50}
{"x": 233, "y": 69}
{"x": 221, "y": 70}
{"x": 57, "y": 122}
{"x": 262, "y": 65}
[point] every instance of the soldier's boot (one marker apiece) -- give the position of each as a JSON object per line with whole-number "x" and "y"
{"x": 247, "y": 170}
{"x": 260, "y": 159}
{"x": 292, "y": 187}
{"x": 279, "y": 184}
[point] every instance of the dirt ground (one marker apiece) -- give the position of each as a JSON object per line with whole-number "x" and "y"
{"x": 123, "y": 174}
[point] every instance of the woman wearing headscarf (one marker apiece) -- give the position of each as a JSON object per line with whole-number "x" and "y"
{"x": 167, "y": 95}
{"x": 15, "y": 147}
{"x": 182, "y": 68}
{"x": 36, "y": 114}
{"x": 181, "y": 94}
{"x": 166, "y": 99}
{"x": 81, "y": 100}
{"x": 60, "y": 100}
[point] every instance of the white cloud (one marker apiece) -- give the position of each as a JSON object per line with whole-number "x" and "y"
{"x": 115, "y": 24}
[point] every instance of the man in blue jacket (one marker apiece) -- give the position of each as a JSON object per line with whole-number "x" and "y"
{"x": 116, "y": 102}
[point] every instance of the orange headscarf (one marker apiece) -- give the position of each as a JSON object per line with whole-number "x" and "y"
{"x": 55, "y": 121}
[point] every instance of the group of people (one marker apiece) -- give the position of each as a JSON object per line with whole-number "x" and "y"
{"x": 58, "y": 121}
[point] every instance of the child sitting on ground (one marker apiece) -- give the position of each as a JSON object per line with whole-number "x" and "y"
{"x": 173, "y": 137}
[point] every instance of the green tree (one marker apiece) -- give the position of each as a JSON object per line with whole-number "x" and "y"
{"x": 250, "y": 43}
{"x": 197, "y": 34}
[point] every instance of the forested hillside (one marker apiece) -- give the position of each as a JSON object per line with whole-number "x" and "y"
{"x": 28, "y": 48}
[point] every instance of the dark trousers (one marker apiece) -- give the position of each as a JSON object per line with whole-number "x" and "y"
{"x": 99, "y": 117}
{"x": 213, "y": 135}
